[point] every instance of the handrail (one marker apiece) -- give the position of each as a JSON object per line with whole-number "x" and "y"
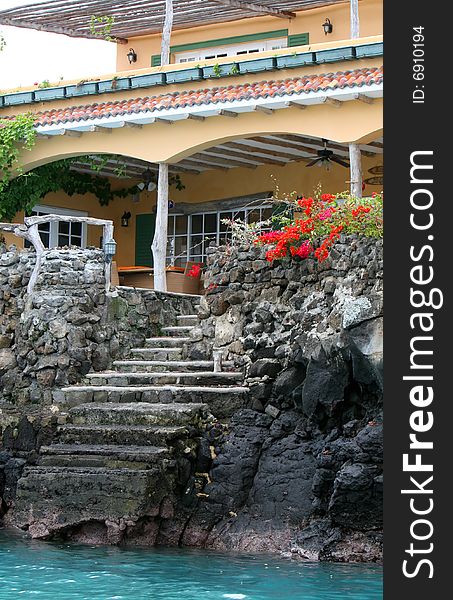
{"x": 29, "y": 231}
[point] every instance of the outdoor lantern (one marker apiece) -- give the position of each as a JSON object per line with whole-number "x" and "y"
{"x": 109, "y": 249}
{"x": 125, "y": 219}
{"x": 148, "y": 181}
{"x": 131, "y": 56}
{"x": 327, "y": 26}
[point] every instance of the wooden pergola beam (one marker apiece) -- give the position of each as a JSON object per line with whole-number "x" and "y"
{"x": 250, "y": 150}
{"x": 284, "y": 144}
{"x": 52, "y": 28}
{"x": 258, "y": 8}
{"x": 332, "y": 145}
{"x": 133, "y": 18}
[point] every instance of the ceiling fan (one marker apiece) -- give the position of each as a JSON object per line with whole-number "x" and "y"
{"x": 148, "y": 182}
{"x": 326, "y": 157}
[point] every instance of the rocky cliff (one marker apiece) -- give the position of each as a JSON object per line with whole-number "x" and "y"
{"x": 300, "y": 469}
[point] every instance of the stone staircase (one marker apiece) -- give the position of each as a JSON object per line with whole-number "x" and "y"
{"x": 128, "y": 437}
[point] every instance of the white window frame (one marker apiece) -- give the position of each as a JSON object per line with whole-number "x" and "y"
{"x": 231, "y": 50}
{"x": 54, "y": 225}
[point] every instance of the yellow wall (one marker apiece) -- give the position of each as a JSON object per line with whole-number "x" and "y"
{"x": 209, "y": 185}
{"x": 371, "y": 23}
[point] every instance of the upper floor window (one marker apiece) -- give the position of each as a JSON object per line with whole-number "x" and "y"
{"x": 231, "y": 50}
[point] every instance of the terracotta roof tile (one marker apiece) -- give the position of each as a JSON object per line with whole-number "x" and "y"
{"x": 245, "y": 91}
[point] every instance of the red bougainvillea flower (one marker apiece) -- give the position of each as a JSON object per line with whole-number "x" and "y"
{"x": 303, "y": 251}
{"x": 194, "y": 271}
{"x": 327, "y": 197}
{"x": 306, "y": 204}
{"x": 322, "y": 218}
{"x": 360, "y": 210}
{"x": 325, "y": 214}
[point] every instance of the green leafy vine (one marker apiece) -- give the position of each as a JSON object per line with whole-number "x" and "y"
{"x": 26, "y": 190}
{"x": 15, "y": 135}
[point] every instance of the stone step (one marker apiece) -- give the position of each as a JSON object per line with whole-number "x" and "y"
{"x": 165, "y": 377}
{"x": 153, "y": 365}
{"x": 157, "y": 353}
{"x": 176, "y": 330}
{"x": 166, "y": 341}
{"x": 52, "y": 498}
{"x": 185, "y": 318}
{"x": 123, "y": 435}
{"x": 175, "y": 390}
{"x": 138, "y": 413}
{"x": 222, "y": 401}
{"x": 110, "y": 457}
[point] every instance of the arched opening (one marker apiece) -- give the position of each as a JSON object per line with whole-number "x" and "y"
{"x": 234, "y": 176}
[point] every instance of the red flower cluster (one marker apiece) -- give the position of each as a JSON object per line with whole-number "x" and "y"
{"x": 194, "y": 271}
{"x": 322, "y": 252}
{"x": 303, "y": 251}
{"x": 322, "y": 218}
{"x": 360, "y": 210}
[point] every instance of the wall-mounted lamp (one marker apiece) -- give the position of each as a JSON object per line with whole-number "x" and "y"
{"x": 125, "y": 219}
{"x": 131, "y": 56}
{"x": 327, "y": 26}
{"x": 109, "y": 250}
{"x": 148, "y": 183}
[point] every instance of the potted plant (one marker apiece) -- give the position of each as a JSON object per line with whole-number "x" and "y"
{"x": 84, "y": 87}
{"x": 296, "y": 59}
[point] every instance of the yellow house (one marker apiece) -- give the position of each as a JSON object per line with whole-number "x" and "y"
{"x": 254, "y": 94}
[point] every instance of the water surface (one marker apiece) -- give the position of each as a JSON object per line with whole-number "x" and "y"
{"x": 65, "y": 572}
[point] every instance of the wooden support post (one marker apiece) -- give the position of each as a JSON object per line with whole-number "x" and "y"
{"x": 107, "y": 235}
{"x": 166, "y": 33}
{"x": 355, "y": 160}
{"x": 355, "y": 22}
{"x": 159, "y": 246}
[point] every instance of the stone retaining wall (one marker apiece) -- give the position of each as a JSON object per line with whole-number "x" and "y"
{"x": 70, "y": 326}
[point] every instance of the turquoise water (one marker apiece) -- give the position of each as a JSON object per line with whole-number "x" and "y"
{"x": 63, "y": 572}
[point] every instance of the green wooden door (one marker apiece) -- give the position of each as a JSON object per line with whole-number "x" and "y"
{"x": 145, "y": 226}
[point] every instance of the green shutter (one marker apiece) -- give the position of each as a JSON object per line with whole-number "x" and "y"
{"x": 144, "y": 233}
{"x": 155, "y": 60}
{"x": 300, "y": 39}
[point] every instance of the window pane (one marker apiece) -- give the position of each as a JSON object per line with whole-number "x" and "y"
{"x": 254, "y": 216}
{"x": 76, "y": 229}
{"x": 197, "y": 223}
{"x": 45, "y": 239}
{"x": 239, "y": 214}
{"x": 63, "y": 240}
{"x": 225, "y": 215}
{"x": 181, "y": 247}
{"x": 63, "y": 227}
{"x": 210, "y": 223}
{"x": 181, "y": 224}
{"x": 76, "y": 241}
{"x": 196, "y": 244}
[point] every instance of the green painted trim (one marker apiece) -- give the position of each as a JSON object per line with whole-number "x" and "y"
{"x": 265, "y": 35}
{"x": 144, "y": 233}
{"x": 155, "y": 60}
{"x": 300, "y": 39}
